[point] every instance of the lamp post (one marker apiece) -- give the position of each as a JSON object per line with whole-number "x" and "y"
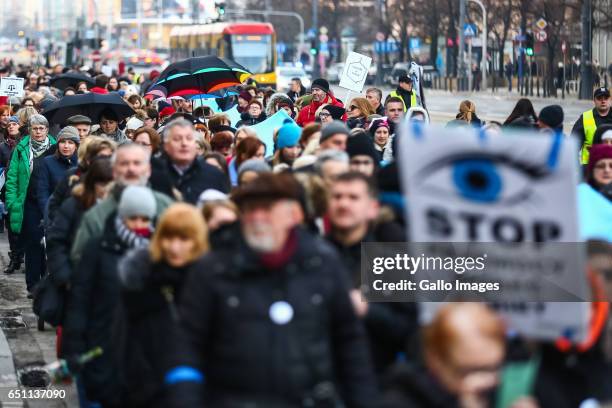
{"x": 484, "y": 43}
{"x": 586, "y": 70}
{"x": 461, "y": 67}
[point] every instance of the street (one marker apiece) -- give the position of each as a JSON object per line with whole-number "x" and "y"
{"x": 443, "y": 105}
{"x": 24, "y": 349}
{"x": 201, "y": 216}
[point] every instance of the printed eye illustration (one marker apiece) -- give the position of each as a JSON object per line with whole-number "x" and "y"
{"x": 482, "y": 178}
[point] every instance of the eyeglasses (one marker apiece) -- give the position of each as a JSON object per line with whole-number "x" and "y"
{"x": 353, "y": 107}
{"x": 324, "y": 115}
{"x": 39, "y": 129}
{"x": 30, "y": 105}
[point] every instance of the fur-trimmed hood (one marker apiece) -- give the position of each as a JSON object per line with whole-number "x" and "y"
{"x": 274, "y": 99}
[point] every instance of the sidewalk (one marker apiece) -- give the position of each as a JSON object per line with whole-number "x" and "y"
{"x": 24, "y": 349}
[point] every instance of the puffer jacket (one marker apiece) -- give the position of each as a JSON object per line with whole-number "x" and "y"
{"x": 146, "y": 326}
{"x": 273, "y": 337}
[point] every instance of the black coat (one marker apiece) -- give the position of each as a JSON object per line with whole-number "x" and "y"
{"x": 294, "y": 96}
{"x": 146, "y": 326}
{"x": 565, "y": 380}
{"x": 62, "y": 191}
{"x": 60, "y": 236}
{"x": 354, "y": 123}
{"x": 411, "y": 386}
{"x": 197, "y": 178}
{"x": 5, "y": 155}
{"x": 247, "y": 120}
{"x": 389, "y": 325}
{"x": 91, "y": 311}
{"x": 225, "y": 237}
{"x": 247, "y": 358}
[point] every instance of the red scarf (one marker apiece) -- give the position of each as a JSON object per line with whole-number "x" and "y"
{"x": 277, "y": 260}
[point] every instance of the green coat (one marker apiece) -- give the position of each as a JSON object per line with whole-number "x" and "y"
{"x": 17, "y": 181}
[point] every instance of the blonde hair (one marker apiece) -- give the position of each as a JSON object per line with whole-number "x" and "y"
{"x": 24, "y": 115}
{"x": 364, "y": 106}
{"x": 467, "y": 110}
{"x": 184, "y": 221}
{"x": 91, "y": 146}
{"x": 209, "y": 208}
{"x": 247, "y": 130}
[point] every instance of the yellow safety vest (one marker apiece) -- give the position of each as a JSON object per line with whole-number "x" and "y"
{"x": 413, "y": 99}
{"x": 589, "y": 125}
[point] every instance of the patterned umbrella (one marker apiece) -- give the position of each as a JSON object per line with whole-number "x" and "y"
{"x": 200, "y": 75}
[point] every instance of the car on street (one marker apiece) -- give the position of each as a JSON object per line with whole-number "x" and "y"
{"x": 284, "y": 75}
{"x": 143, "y": 58}
{"x": 399, "y": 69}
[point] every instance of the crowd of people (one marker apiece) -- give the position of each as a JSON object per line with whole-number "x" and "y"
{"x": 213, "y": 274}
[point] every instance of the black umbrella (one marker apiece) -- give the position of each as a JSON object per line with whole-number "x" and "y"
{"x": 91, "y": 105}
{"x": 201, "y": 75}
{"x": 63, "y": 81}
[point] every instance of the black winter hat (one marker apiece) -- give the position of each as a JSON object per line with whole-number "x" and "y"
{"x": 361, "y": 144}
{"x": 320, "y": 83}
{"x": 336, "y": 112}
{"x": 552, "y": 115}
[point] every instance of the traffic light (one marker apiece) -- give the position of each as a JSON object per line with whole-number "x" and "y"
{"x": 529, "y": 44}
{"x": 220, "y": 8}
{"x": 313, "y": 47}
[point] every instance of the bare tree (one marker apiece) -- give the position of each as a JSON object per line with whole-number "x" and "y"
{"x": 452, "y": 19}
{"x": 559, "y": 14}
{"x": 400, "y": 13}
{"x": 501, "y": 15}
{"x": 431, "y": 22}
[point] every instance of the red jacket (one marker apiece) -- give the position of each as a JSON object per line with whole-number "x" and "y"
{"x": 307, "y": 113}
{"x": 98, "y": 90}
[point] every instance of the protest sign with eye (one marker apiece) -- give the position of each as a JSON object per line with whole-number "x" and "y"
{"x": 510, "y": 199}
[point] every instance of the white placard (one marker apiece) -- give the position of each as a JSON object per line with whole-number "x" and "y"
{"x": 355, "y": 72}
{"x": 466, "y": 186}
{"x": 11, "y": 86}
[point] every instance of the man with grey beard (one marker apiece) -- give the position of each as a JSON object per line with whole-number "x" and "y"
{"x": 270, "y": 323}
{"x": 131, "y": 167}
